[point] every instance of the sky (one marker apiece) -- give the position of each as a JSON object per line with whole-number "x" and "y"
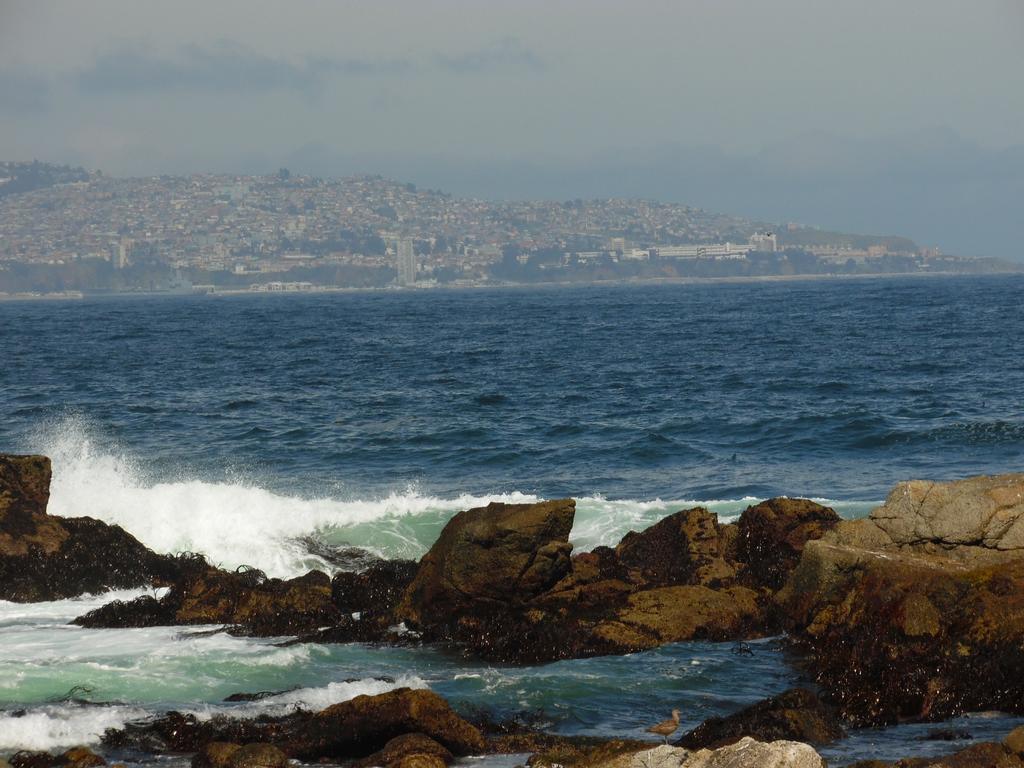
{"x": 887, "y": 117}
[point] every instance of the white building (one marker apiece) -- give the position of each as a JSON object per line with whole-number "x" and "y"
{"x": 704, "y": 251}
{"x": 764, "y": 241}
{"x": 407, "y": 264}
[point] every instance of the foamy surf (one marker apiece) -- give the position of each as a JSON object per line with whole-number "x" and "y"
{"x": 62, "y": 725}
{"x": 241, "y": 523}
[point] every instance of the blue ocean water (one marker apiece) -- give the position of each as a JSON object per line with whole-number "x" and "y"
{"x": 248, "y": 427}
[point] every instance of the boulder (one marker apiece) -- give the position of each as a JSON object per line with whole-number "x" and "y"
{"x": 348, "y": 730}
{"x": 796, "y": 715}
{"x": 214, "y": 755}
{"x": 488, "y": 559}
{"x": 80, "y": 757}
{"x": 748, "y": 753}
{"x": 892, "y": 635}
{"x": 366, "y": 724}
{"x": 413, "y": 750}
{"x": 246, "y": 598}
{"x": 43, "y": 557}
{"x": 1015, "y": 741}
{"x": 674, "y": 614}
{"x": 687, "y": 547}
{"x": 978, "y": 520}
{"x": 76, "y": 757}
{"x": 772, "y": 534}
{"x": 983, "y": 755}
{"x": 257, "y": 756}
{"x": 376, "y": 589}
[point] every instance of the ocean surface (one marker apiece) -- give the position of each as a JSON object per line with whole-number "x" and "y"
{"x": 256, "y": 429}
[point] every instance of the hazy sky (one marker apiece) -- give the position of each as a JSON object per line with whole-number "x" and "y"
{"x": 787, "y": 110}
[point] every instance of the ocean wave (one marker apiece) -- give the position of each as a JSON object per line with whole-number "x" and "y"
{"x": 315, "y": 699}
{"x": 57, "y": 726}
{"x": 241, "y": 523}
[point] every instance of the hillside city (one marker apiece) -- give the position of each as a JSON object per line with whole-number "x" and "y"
{"x": 67, "y": 230}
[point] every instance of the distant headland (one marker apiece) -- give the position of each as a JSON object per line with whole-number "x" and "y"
{"x": 70, "y": 232}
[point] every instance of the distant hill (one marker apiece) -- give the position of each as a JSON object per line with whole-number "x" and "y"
{"x": 27, "y": 176}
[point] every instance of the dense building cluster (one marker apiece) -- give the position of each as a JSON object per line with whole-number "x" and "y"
{"x": 269, "y": 223}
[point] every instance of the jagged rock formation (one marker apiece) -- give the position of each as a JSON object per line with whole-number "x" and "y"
{"x": 43, "y": 557}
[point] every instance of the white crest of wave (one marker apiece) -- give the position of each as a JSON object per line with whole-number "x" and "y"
{"x": 61, "y": 725}
{"x": 239, "y": 523}
{"x": 231, "y": 523}
{"x": 316, "y": 699}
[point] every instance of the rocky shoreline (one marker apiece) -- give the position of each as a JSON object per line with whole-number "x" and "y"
{"x": 913, "y": 614}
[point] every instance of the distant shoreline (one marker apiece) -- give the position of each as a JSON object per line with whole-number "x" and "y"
{"x": 646, "y": 281}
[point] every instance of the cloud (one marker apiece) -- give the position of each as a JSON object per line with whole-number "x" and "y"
{"x": 23, "y": 93}
{"x": 225, "y": 66}
{"x": 507, "y": 53}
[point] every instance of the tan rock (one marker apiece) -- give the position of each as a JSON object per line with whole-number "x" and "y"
{"x": 214, "y": 755}
{"x": 748, "y": 753}
{"x": 672, "y": 614}
{"x": 1015, "y": 740}
{"x": 257, "y": 756}
{"x": 493, "y": 555}
{"x": 979, "y": 518}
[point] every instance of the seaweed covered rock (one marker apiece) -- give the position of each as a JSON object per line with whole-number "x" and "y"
{"x": 366, "y": 724}
{"x": 348, "y": 730}
{"x": 986, "y": 754}
{"x": 771, "y": 537}
{"x": 688, "y": 547}
{"x": 488, "y": 559}
{"x": 910, "y": 614}
{"x": 378, "y": 588}
{"x": 246, "y": 598}
{"x": 795, "y": 715}
{"x": 43, "y": 557}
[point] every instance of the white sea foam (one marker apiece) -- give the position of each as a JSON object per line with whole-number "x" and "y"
{"x": 55, "y": 726}
{"x": 315, "y": 699}
{"x": 241, "y": 523}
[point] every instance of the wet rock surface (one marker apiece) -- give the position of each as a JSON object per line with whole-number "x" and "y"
{"x": 43, "y": 557}
{"x": 349, "y": 730}
{"x": 796, "y": 715}
{"x": 910, "y": 614}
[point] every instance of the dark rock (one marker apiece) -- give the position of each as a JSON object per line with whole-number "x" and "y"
{"x": 259, "y": 606}
{"x": 145, "y": 611}
{"x": 772, "y": 535}
{"x": 687, "y": 547}
{"x": 983, "y": 755}
{"x": 796, "y": 715}
{"x": 351, "y": 729}
{"x": 490, "y": 558}
{"x": 32, "y": 759}
{"x": 893, "y": 635}
{"x": 258, "y": 696}
{"x": 946, "y": 734}
{"x": 48, "y": 558}
{"x": 376, "y": 589}
{"x": 366, "y": 723}
{"x": 76, "y": 757}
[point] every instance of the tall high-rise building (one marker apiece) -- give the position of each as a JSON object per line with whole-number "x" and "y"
{"x": 407, "y": 264}
{"x": 119, "y": 253}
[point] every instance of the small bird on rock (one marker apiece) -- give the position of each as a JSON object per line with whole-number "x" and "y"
{"x": 666, "y": 727}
